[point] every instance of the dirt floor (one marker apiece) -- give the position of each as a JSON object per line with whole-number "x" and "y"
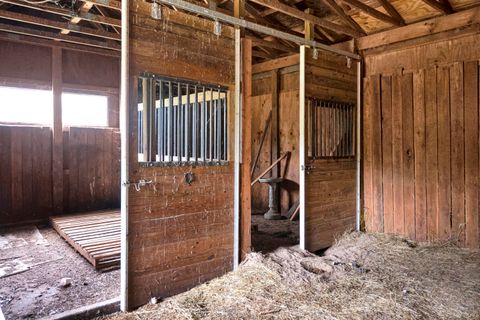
{"x": 33, "y": 262}
{"x": 268, "y": 235}
{"x": 361, "y": 277}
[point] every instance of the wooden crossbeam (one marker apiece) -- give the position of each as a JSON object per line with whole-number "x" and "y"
{"x": 392, "y": 11}
{"x": 111, "y": 4}
{"x": 288, "y": 10}
{"x": 270, "y": 11}
{"x": 443, "y": 6}
{"x": 56, "y": 36}
{"x": 373, "y": 12}
{"x": 271, "y": 44}
{"x": 20, "y": 17}
{"x": 345, "y": 17}
{"x": 66, "y": 12}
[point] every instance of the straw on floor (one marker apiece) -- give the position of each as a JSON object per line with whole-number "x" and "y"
{"x": 363, "y": 276}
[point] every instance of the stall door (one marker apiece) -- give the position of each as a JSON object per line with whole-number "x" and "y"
{"x": 328, "y": 166}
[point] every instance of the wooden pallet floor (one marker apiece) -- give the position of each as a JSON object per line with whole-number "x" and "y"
{"x": 95, "y": 235}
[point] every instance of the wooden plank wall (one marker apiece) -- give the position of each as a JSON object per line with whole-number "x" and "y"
{"x": 288, "y": 132}
{"x": 25, "y": 173}
{"x": 91, "y": 171}
{"x": 180, "y": 235}
{"x": 90, "y": 155}
{"x": 421, "y": 141}
{"x": 330, "y": 183}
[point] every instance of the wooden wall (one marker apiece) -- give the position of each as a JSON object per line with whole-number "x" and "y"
{"x": 91, "y": 175}
{"x": 288, "y": 133}
{"x": 330, "y": 183}
{"x": 421, "y": 140}
{"x": 180, "y": 235}
{"x": 91, "y": 171}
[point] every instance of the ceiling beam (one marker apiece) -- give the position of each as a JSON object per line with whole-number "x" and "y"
{"x": 20, "y": 17}
{"x": 111, "y": 4}
{"x": 272, "y": 44}
{"x": 345, "y": 17}
{"x": 65, "y": 12}
{"x": 373, "y": 12}
{"x": 443, "y": 6}
{"x": 392, "y": 11}
{"x": 270, "y": 11}
{"x": 60, "y": 37}
{"x": 286, "y": 9}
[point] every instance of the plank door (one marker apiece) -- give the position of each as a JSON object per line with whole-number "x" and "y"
{"x": 327, "y": 166}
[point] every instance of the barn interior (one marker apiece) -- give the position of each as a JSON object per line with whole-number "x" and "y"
{"x": 179, "y": 144}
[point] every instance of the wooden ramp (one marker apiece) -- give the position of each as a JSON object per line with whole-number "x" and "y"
{"x": 95, "y": 235}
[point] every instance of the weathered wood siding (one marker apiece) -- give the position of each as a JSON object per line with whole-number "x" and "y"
{"x": 180, "y": 235}
{"x": 91, "y": 171}
{"x": 421, "y": 141}
{"x": 330, "y": 183}
{"x": 91, "y": 155}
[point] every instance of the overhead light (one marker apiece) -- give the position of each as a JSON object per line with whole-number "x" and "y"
{"x": 217, "y": 28}
{"x": 315, "y": 54}
{"x": 156, "y": 11}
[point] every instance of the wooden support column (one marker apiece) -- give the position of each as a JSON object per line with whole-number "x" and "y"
{"x": 245, "y": 193}
{"x": 275, "y": 142}
{"x": 308, "y": 26}
{"x": 57, "y": 132}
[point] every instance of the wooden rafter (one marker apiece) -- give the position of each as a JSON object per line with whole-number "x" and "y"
{"x": 84, "y": 8}
{"x": 270, "y": 11}
{"x": 66, "y": 12}
{"x": 111, "y": 4}
{"x": 443, "y": 6}
{"x": 102, "y": 12}
{"x": 392, "y": 11}
{"x": 56, "y": 36}
{"x": 373, "y": 12}
{"x": 20, "y": 17}
{"x": 272, "y": 44}
{"x": 288, "y": 10}
{"x": 345, "y": 17}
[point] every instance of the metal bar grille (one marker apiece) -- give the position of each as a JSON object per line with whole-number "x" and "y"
{"x": 190, "y": 121}
{"x": 331, "y": 129}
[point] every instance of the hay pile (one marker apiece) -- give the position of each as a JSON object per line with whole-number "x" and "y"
{"x": 361, "y": 277}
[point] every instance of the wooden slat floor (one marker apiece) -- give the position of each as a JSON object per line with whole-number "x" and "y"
{"x": 95, "y": 235}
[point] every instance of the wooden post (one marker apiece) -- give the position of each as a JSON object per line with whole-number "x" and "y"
{"x": 275, "y": 142}
{"x": 308, "y": 27}
{"x": 246, "y": 202}
{"x": 57, "y": 132}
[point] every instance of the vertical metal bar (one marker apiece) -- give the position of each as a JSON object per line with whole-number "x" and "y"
{"x": 124, "y": 152}
{"x": 219, "y": 126}
{"x": 195, "y": 127}
{"x": 357, "y": 150}
{"x": 225, "y": 126}
{"x": 321, "y": 129}
{"x": 187, "y": 125}
{"x": 215, "y": 108}
{"x": 210, "y": 122}
{"x": 160, "y": 127}
{"x": 170, "y": 121}
{"x": 302, "y": 160}
{"x": 203, "y": 126}
{"x": 311, "y": 128}
{"x": 179, "y": 122}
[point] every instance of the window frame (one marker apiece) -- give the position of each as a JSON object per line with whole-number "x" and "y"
{"x": 348, "y": 150}
{"x": 105, "y": 94}
{"x": 200, "y": 157}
